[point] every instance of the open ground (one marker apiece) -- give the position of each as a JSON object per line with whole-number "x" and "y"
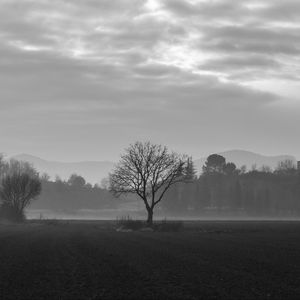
{"x": 206, "y": 260}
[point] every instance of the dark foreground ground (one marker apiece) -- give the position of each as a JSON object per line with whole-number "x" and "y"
{"x": 208, "y": 260}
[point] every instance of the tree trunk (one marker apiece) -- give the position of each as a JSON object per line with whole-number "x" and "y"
{"x": 150, "y": 217}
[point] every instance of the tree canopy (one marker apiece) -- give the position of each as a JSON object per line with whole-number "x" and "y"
{"x": 20, "y": 184}
{"x": 147, "y": 170}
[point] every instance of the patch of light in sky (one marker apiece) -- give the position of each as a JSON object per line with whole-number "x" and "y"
{"x": 197, "y": 1}
{"x": 27, "y": 47}
{"x": 256, "y": 5}
{"x": 153, "y": 9}
{"x": 152, "y": 5}
{"x": 284, "y": 88}
{"x": 281, "y": 25}
{"x": 181, "y": 55}
{"x": 76, "y": 48}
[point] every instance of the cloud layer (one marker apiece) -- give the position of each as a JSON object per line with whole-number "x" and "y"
{"x": 89, "y": 77}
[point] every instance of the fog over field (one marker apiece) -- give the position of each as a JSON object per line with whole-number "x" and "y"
{"x": 149, "y": 149}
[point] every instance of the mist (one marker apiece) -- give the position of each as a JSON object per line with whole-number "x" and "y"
{"x": 149, "y": 149}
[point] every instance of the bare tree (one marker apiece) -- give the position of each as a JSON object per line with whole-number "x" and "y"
{"x": 3, "y": 166}
{"x": 147, "y": 170}
{"x": 104, "y": 184}
{"x": 45, "y": 177}
{"x": 286, "y": 167}
{"x": 16, "y": 192}
{"x": 21, "y": 167}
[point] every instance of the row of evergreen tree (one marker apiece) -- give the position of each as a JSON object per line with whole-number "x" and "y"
{"x": 223, "y": 189}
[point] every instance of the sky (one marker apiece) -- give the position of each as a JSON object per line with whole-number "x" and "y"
{"x": 81, "y": 80}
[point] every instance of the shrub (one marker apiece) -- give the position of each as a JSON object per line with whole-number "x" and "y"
{"x": 16, "y": 192}
{"x": 128, "y": 223}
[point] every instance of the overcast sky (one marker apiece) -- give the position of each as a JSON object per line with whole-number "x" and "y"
{"x": 80, "y": 80}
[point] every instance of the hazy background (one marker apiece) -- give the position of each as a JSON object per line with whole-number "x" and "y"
{"x": 80, "y": 80}
{"x": 95, "y": 171}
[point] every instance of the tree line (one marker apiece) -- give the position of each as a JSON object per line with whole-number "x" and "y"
{"x": 73, "y": 194}
{"x": 224, "y": 189}
{"x": 153, "y": 173}
{"x": 21, "y": 184}
{"x": 163, "y": 180}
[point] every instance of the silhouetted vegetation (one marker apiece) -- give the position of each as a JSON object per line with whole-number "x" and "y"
{"x": 147, "y": 170}
{"x": 17, "y": 191}
{"x": 73, "y": 194}
{"x": 152, "y": 173}
{"x": 223, "y": 189}
{"x": 20, "y": 184}
{"x": 128, "y": 223}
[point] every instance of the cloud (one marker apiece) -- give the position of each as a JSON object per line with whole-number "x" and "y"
{"x": 252, "y": 40}
{"x": 286, "y": 11}
{"x": 232, "y": 31}
{"x": 252, "y": 61}
{"x": 207, "y": 9}
{"x": 168, "y": 71}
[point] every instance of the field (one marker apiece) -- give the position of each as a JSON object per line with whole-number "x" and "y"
{"x": 207, "y": 260}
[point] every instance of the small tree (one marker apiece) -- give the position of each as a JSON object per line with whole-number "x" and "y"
{"x": 147, "y": 170}
{"x": 215, "y": 163}
{"x": 21, "y": 167}
{"x": 76, "y": 181}
{"x": 229, "y": 168}
{"x": 286, "y": 167}
{"x": 3, "y": 166}
{"x": 190, "y": 170}
{"x": 16, "y": 192}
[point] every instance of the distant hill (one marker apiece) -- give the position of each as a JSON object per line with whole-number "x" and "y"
{"x": 92, "y": 171}
{"x": 247, "y": 158}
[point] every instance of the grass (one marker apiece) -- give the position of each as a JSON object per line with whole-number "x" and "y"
{"x": 205, "y": 260}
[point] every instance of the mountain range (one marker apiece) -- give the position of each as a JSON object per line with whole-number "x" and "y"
{"x": 95, "y": 171}
{"x": 92, "y": 171}
{"x": 248, "y": 159}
